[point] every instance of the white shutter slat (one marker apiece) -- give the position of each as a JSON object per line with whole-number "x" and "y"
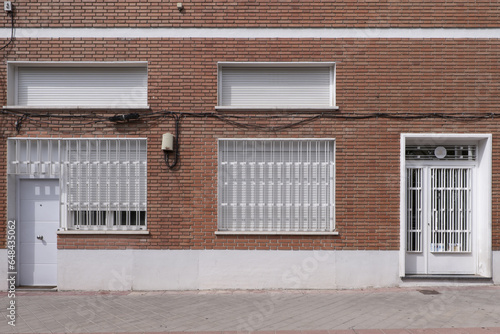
{"x": 274, "y": 87}
{"x": 82, "y": 87}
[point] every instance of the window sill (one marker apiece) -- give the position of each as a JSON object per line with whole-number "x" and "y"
{"x": 138, "y": 232}
{"x": 70, "y": 108}
{"x": 277, "y": 108}
{"x": 275, "y": 233}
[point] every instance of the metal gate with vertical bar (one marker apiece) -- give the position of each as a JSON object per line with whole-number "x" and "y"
{"x": 439, "y": 211}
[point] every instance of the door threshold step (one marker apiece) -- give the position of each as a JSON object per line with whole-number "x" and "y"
{"x": 459, "y": 278}
{"x": 36, "y": 288}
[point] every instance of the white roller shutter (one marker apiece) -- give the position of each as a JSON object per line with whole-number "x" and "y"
{"x": 290, "y": 86}
{"x": 69, "y": 86}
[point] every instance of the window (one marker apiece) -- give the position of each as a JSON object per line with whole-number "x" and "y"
{"x": 77, "y": 84}
{"x": 276, "y": 186}
{"x": 276, "y": 86}
{"x": 103, "y": 181}
{"x": 106, "y": 183}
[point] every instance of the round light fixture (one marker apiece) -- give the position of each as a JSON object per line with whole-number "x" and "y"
{"x": 440, "y": 152}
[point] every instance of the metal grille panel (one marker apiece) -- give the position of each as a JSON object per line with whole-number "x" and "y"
{"x": 450, "y": 152}
{"x": 276, "y": 185}
{"x": 451, "y": 210}
{"x": 414, "y": 210}
{"x": 104, "y": 181}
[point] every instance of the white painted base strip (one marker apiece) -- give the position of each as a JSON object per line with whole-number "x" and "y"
{"x": 496, "y": 268}
{"x": 265, "y": 33}
{"x": 224, "y": 269}
{"x": 3, "y": 270}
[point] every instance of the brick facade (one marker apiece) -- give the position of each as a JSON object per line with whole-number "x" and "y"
{"x": 384, "y": 87}
{"x": 373, "y": 76}
{"x": 254, "y": 13}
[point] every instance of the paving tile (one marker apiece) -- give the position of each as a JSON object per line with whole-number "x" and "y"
{"x": 277, "y": 312}
{"x": 452, "y": 331}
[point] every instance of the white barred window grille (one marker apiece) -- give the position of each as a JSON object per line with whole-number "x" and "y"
{"x": 450, "y": 206}
{"x": 103, "y": 181}
{"x": 451, "y": 219}
{"x": 414, "y": 207}
{"x": 284, "y": 185}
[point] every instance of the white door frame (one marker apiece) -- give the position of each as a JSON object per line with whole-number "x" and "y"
{"x": 481, "y": 193}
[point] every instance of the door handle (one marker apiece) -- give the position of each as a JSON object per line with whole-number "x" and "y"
{"x": 39, "y": 237}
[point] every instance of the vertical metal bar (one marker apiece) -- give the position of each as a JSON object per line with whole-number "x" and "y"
{"x": 444, "y": 206}
{"x": 418, "y": 202}
{"x": 432, "y": 208}
{"x": 271, "y": 202}
{"x": 435, "y": 207}
{"x": 331, "y": 206}
{"x": 469, "y": 210}
{"x": 408, "y": 209}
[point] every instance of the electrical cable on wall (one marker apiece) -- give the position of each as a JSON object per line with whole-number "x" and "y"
{"x": 175, "y": 145}
{"x": 11, "y": 14}
{"x": 250, "y": 122}
{"x": 19, "y": 123}
{"x": 247, "y": 121}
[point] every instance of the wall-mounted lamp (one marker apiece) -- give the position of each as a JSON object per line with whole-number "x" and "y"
{"x": 180, "y": 7}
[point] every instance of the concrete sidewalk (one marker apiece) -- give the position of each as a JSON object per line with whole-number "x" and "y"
{"x": 450, "y": 310}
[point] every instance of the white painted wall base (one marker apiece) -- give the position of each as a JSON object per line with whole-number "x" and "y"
{"x": 3, "y": 270}
{"x": 220, "y": 269}
{"x": 224, "y": 269}
{"x": 496, "y": 268}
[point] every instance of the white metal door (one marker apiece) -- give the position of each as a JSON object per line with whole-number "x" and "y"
{"x": 439, "y": 221}
{"x": 39, "y": 221}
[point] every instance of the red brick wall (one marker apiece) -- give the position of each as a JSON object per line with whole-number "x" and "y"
{"x": 373, "y": 76}
{"x": 257, "y": 13}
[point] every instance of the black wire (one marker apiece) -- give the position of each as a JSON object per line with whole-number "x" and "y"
{"x": 248, "y": 121}
{"x": 176, "y": 145}
{"x": 11, "y": 30}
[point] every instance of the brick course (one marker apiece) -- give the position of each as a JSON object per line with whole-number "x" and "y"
{"x": 373, "y": 76}
{"x": 257, "y": 13}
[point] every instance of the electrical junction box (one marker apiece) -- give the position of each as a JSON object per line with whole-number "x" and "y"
{"x": 7, "y": 6}
{"x": 167, "y": 143}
